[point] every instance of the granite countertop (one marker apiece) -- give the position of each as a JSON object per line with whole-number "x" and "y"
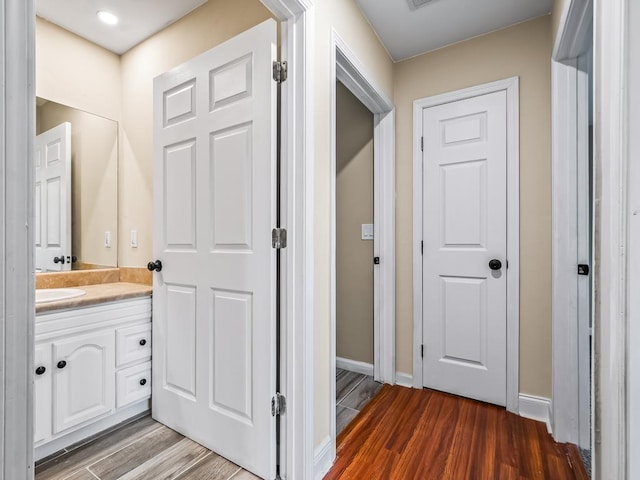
{"x": 106, "y": 292}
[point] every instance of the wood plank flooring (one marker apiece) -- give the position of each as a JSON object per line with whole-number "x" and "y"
{"x": 140, "y": 450}
{"x": 407, "y": 434}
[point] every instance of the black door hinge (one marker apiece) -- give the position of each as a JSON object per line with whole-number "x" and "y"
{"x": 422, "y": 144}
{"x": 422, "y": 247}
{"x": 422, "y": 351}
{"x": 583, "y": 269}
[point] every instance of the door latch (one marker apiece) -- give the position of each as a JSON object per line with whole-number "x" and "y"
{"x": 376, "y": 260}
{"x": 583, "y": 269}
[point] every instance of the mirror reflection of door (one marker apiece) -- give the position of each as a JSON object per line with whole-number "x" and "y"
{"x": 92, "y": 189}
{"x": 52, "y": 164}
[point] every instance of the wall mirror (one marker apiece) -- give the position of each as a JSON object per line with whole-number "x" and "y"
{"x": 76, "y": 194}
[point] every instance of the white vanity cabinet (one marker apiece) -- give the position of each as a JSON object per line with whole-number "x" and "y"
{"x": 92, "y": 370}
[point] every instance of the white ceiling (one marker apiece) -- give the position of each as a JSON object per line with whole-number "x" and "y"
{"x": 407, "y": 32}
{"x": 139, "y": 19}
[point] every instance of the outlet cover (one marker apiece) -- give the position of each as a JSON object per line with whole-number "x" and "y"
{"x": 367, "y": 231}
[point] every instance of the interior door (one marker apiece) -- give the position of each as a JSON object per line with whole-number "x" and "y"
{"x": 53, "y": 199}
{"x": 464, "y": 259}
{"x": 215, "y": 206}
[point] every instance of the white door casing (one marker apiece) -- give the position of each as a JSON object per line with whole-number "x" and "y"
{"x": 464, "y": 228}
{"x": 214, "y": 208}
{"x": 52, "y": 228}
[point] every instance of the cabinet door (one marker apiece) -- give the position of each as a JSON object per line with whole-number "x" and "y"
{"x": 42, "y": 393}
{"x": 83, "y": 384}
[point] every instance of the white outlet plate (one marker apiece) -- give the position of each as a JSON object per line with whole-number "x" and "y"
{"x": 367, "y": 231}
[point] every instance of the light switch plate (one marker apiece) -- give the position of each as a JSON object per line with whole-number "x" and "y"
{"x": 134, "y": 239}
{"x": 367, "y": 231}
{"x": 107, "y": 239}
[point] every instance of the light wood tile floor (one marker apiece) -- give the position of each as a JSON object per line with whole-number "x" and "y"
{"x": 140, "y": 450}
{"x": 147, "y": 450}
{"x": 353, "y": 392}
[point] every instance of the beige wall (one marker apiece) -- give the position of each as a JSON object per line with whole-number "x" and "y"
{"x": 75, "y": 72}
{"x": 525, "y": 51}
{"x": 94, "y": 178}
{"x": 556, "y": 16}
{"x": 354, "y": 206}
{"x": 345, "y": 18}
{"x": 201, "y": 30}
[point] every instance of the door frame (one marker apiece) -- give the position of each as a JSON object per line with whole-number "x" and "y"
{"x": 17, "y": 297}
{"x": 569, "y": 107}
{"x": 511, "y": 87}
{"x": 347, "y": 68}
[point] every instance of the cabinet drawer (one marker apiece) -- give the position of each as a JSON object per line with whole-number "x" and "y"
{"x": 133, "y": 344}
{"x": 133, "y": 384}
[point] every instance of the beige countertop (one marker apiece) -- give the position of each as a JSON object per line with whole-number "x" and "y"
{"x": 106, "y": 292}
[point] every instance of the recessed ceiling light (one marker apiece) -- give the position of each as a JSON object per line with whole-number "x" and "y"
{"x": 108, "y": 17}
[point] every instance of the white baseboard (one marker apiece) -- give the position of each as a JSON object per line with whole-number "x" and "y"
{"x": 354, "y": 366}
{"x": 323, "y": 458}
{"x": 404, "y": 379}
{"x": 536, "y": 408}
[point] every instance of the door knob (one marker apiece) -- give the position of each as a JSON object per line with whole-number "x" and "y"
{"x": 157, "y": 266}
{"x": 495, "y": 264}
{"x": 40, "y": 370}
{"x": 59, "y": 259}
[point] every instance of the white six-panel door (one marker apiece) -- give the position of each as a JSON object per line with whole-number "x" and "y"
{"x": 53, "y": 199}
{"x": 464, "y": 228}
{"x": 215, "y": 204}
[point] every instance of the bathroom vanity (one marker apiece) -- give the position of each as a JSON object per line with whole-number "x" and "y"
{"x": 92, "y": 363}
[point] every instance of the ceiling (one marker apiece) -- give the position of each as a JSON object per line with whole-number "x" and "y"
{"x": 407, "y": 31}
{"x": 139, "y": 19}
{"x": 404, "y": 30}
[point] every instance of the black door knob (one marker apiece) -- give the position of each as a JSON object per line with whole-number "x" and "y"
{"x": 62, "y": 364}
{"x": 143, "y": 342}
{"x": 157, "y": 266}
{"x": 495, "y": 264}
{"x": 40, "y": 370}
{"x": 143, "y": 382}
{"x": 59, "y": 259}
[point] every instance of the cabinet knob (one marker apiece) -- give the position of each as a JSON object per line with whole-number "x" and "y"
{"x": 62, "y": 364}
{"x": 40, "y": 370}
{"x": 143, "y": 342}
{"x": 143, "y": 382}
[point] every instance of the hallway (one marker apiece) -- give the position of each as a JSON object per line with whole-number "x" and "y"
{"x": 423, "y": 434}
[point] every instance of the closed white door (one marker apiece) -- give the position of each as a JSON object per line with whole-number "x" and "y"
{"x": 215, "y": 205}
{"x": 84, "y": 378}
{"x": 53, "y": 199}
{"x": 465, "y": 246}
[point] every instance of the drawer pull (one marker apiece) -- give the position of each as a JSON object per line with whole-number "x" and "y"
{"x": 143, "y": 342}
{"x": 143, "y": 382}
{"x": 40, "y": 370}
{"x": 62, "y": 364}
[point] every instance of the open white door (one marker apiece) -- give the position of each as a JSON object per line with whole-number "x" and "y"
{"x": 214, "y": 304}
{"x": 465, "y": 247}
{"x": 53, "y": 199}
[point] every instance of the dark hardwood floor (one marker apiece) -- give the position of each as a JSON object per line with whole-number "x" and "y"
{"x": 407, "y": 434}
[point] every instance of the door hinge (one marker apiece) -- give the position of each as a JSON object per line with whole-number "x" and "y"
{"x": 422, "y": 247}
{"x": 421, "y": 351}
{"x": 583, "y": 269}
{"x": 422, "y": 144}
{"x": 279, "y": 238}
{"x": 279, "y": 71}
{"x": 278, "y": 405}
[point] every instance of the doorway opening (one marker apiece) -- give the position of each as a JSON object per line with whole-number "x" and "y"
{"x": 374, "y": 355}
